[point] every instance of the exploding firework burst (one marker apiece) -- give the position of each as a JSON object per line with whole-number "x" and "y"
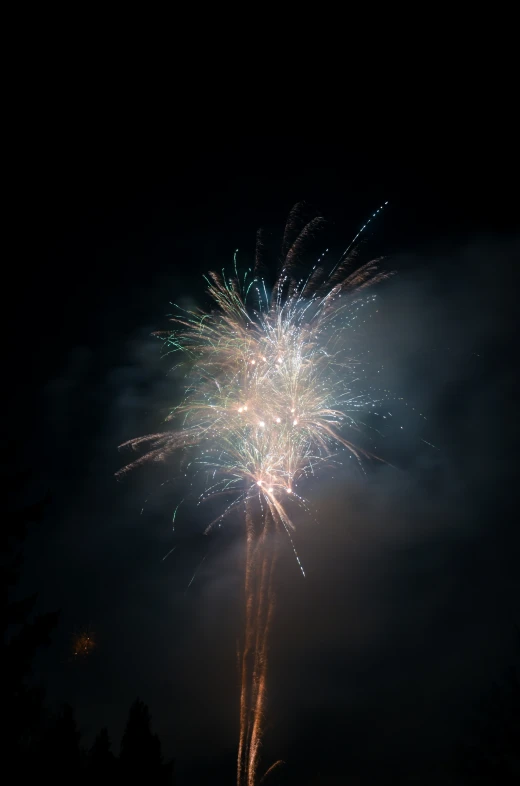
{"x": 272, "y": 395}
{"x": 83, "y": 643}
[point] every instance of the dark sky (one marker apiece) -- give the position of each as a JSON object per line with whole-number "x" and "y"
{"x": 409, "y": 607}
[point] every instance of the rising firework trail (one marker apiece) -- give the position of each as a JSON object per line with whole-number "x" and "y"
{"x": 272, "y": 395}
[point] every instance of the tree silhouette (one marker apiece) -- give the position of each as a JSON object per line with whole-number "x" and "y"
{"x": 23, "y": 634}
{"x": 42, "y": 747}
{"x": 61, "y": 757}
{"x": 140, "y": 757}
{"x": 101, "y": 762}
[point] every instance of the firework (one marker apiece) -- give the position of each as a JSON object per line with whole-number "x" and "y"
{"x": 272, "y": 395}
{"x": 83, "y": 643}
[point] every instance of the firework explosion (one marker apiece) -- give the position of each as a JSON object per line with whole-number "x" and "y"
{"x": 83, "y": 643}
{"x": 271, "y": 392}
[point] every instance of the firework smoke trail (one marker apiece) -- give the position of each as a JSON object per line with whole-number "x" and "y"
{"x": 262, "y": 552}
{"x": 271, "y": 383}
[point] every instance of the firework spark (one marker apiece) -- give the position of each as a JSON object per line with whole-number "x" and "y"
{"x": 271, "y": 392}
{"x": 83, "y": 643}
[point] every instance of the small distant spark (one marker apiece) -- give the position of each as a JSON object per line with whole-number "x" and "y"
{"x": 83, "y": 643}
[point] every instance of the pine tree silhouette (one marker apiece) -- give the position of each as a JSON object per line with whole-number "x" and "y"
{"x": 42, "y": 748}
{"x": 140, "y": 757}
{"x": 61, "y": 755}
{"x": 101, "y": 762}
{"x": 23, "y": 634}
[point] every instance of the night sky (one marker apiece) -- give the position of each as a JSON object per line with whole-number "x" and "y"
{"x": 409, "y": 608}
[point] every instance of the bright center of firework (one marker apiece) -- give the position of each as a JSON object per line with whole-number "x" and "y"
{"x": 305, "y": 370}
{"x": 285, "y": 355}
